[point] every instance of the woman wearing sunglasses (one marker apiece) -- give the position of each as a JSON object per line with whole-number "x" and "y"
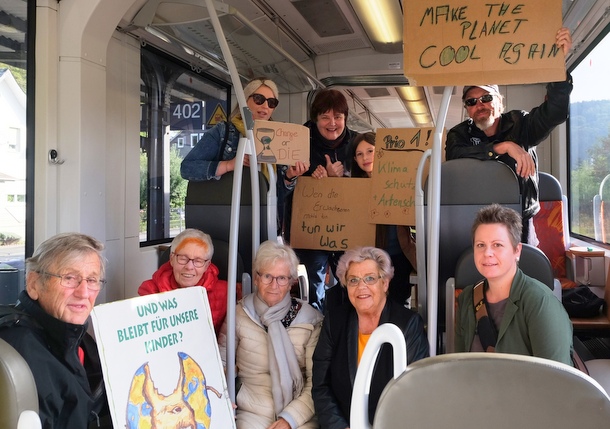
{"x": 214, "y": 154}
{"x": 512, "y": 137}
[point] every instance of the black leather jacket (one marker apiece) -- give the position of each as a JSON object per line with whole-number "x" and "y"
{"x": 466, "y": 140}
{"x": 335, "y": 360}
{"x": 70, "y": 395}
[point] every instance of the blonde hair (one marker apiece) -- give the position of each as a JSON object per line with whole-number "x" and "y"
{"x": 251, "y": 88}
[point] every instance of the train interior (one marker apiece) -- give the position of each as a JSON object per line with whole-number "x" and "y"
{"x": 110, "y": 74}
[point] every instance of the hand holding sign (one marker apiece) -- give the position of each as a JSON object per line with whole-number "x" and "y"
{"x": 477, "y": 41}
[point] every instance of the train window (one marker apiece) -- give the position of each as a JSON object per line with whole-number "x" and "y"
{"x": 14, "y": 165}
{"x": 177, "y": 106}
{"x": 589, "y": 145}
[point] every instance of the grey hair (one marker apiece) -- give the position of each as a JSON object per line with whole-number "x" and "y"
{"x": 61, "y": 249}
{"x": 270, "y": 252}
{"x": 361, "y": 254}
{"x": 194, "y": 235}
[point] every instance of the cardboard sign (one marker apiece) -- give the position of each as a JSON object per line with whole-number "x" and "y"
{"x": 398, "y": 152}
{"x": 481, "y": 42}
{"x": 161, "y": 349}
{"x": 331, "y": 214}
{"x": 280, "y": 142}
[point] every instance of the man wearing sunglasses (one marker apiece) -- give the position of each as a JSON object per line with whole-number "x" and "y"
{"x": 491, "y": 134}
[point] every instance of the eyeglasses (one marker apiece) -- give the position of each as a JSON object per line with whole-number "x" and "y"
{"x": 183, "y": 260}
{"x": 483, "y": 99}
{"x": 267, "y": 279}
{"x": 260, "y": 99}
{"x": 72, "y": 281}
{"x": 368, "y": 280}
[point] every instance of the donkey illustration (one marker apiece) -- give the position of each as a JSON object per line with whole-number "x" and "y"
{"x": 187, "y": 407}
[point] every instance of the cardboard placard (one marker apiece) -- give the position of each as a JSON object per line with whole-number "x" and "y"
{"x": 331, "y": 214}
{"x": 281, "y": 142}
{"x": 161, "y": 349}
{"x": 477, "y": 42}
{"x": 398, "y": 152}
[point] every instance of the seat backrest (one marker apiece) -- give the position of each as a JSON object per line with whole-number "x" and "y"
{"x": 469, "y": 390}
{"x": 550, "y": 224}
{"x": 208, "y": 208}
{"x": 17, "y": 387}
{"x": 466, "y": 186}
{"x": 601, "y": 211}
{"x": 532, "y": 262}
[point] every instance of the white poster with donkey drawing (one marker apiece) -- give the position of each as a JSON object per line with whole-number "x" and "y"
{"x": 161, "y": 364}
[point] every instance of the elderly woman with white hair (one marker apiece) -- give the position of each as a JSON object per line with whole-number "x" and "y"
{"x": 366, "y": 273}
{"x": 214, "y": 154}
{"x": 276, "y": 335}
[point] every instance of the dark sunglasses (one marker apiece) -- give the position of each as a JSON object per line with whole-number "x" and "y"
{"x": 472, "y": 101}
{"x": 260, "y": 99}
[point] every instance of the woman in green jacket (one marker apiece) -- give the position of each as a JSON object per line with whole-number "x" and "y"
{"x": 516, "y": 313}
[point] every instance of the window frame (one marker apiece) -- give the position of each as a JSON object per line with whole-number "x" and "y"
{"x": 157, "y": 213}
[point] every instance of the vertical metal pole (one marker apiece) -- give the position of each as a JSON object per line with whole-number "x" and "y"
{"x": 245, "y": 146}
{"x": 434, "y": 204}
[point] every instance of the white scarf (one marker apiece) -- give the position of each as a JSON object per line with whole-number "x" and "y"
{"x": 286, "y": 375}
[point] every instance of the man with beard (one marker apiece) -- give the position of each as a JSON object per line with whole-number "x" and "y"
{"x": 512, "y": 137}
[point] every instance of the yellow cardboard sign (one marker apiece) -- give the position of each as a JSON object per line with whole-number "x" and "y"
{"x": 281, "y": 142}
{"x": 331, "y": 214}
{"x": 481, "y": 42}
{"x": 398, "y": 152}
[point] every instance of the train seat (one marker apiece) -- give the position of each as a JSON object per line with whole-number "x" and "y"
{"x": 551, "y": 227}
{"x": 466, "y": 186}
{"x": 208, "y": 208}
{"x": 601, "y": 211}
{"x": 503, "y": 390}
{"x": 18, "y": 395}
{"x": 475, "y": 389}
{"x": 533, "y": 262}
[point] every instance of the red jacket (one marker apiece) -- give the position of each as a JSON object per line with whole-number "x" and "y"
{"x": 163, "y": 281}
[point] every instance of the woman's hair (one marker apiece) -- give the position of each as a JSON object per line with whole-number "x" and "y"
{"x": 62, "y": 250}
{"x": 495, "y": 213}
{"x": 326, "y": 100}
{"x": 355, "y": 170}
{"x": 192, "y": 235}
{"x": 270, "y": 252}
{"x": 361, "y": 254}
{"x": 251, "y": 88}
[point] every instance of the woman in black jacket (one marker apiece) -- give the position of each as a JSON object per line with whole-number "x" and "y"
{"x": 366, "y": 273}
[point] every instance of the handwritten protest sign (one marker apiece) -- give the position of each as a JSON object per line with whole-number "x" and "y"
{"x": 161, "y": 349}
{"x": 477, "y": 41}
{"x": 280, "y": 142}
{"x": 397, "y": 155}
{"x": 331, "y": 214}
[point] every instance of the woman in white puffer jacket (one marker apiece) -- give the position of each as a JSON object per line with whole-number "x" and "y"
{"x": 275, "y": 339}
